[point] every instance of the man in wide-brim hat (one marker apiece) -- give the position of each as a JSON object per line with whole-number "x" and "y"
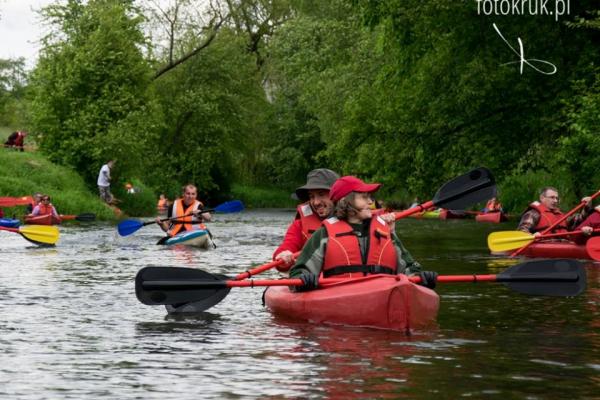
{"x": 315, "y": 207}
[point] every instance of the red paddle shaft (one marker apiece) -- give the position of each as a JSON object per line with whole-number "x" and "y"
{"x": 262, "y": 268}
{"x": 298, "y": 282}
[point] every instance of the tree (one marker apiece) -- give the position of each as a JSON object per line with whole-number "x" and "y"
{"x": 91, "y": 76}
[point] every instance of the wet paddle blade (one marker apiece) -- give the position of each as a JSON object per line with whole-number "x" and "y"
{"x": 178, "y": 286}
{"x": 559, "y": 277}
{"x": 593, "y": 248}
{"x": 40, "y": 234}
{"x": 230, "y": 207}
{"x": 129, "y": 226}
{"x": 86, "y": 217}
{"x": 508, "y": 240}
{"x": 471, "y": 188}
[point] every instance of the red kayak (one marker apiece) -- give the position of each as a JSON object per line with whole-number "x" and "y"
{"x": 376, "y": 301}
{"x": 493, "y": 217}
{"x": 42, "y": 220}
{"x": 451, "y": 214}
{"x": 556, "y": 250}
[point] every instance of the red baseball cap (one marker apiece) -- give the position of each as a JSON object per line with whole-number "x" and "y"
{"x": 347, "y": 184}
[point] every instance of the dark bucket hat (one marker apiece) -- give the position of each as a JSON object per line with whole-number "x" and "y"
{"x": 321, "y": 178}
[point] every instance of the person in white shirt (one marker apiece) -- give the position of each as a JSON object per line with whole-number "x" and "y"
{"x": 104, "y": 182}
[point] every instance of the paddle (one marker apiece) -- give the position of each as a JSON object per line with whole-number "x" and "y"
{"x": 85, "y": 217}
{"x": 554, "y": 225}
{"x": 129, "y": 226}
{"x": 38, "y": 234}
{"x": 510, "y": 240}
{"x": 176, "y": 285}
{"x": 15, "y": 201}
{"x": 473, "y": 187}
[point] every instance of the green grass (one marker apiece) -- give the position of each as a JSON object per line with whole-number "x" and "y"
{"x": 4, "y": 132}
{"x": 24, "y": 173}
{"x": 256, "y": 197}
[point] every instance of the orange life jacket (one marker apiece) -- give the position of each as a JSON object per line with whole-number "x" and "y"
{"x": 547, "y": 218}
{"x": 186, "y": 223}
{"x": 343, "y": 255}
{"x": 309, "y": 220}
{"x": 45, "y": 209}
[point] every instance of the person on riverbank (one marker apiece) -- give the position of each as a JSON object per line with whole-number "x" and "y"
{"x": 315, "y": 207}
{"x": 541, "y": 214}
{"x": 355, "y": 242}
{"x": 45, "y": 207}
{"x": 104, "y": 182}
{"x": 16, "y": 140}
{"x": 187, "y": 211}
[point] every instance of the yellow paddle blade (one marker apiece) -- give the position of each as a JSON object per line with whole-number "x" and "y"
{"x": 46, "y": 234}
{"x": 508, "y": 240}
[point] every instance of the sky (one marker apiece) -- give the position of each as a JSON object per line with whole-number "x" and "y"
{"x": 21, "y": 29}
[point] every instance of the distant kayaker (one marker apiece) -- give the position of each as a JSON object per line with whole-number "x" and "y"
{"x": 493, "y": 205}
{"x": 182, "y": 208}
{"x": 163, "y": 204}
{"x": 45, "y": 208}
{"x": 355, "y": 242}
{"x": 36, "y": 199}
{"x": 315, "y": 207}
{"x": 541, "y": 214}
{"x": 104, "y": 182}
{"x": 16, "y": 140}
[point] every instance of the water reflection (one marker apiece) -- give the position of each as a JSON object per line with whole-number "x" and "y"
{"x": 71, "y": 327}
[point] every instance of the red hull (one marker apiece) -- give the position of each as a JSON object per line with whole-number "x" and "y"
{"x": 556, "y": 250}
{"x": 493, "y": 217}
{"x": 42, "y": 220}
{"x": 377, "y": 301}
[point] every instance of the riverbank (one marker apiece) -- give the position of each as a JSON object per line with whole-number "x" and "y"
{"x": 24, "y": 173}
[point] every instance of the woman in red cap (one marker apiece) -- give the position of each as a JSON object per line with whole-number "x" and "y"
{"x": 355, "y": 242}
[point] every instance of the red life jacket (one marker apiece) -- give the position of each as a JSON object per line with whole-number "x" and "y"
{"x": 309, "y": 220}
{"x": 343, "y": 255}
{"x": 179, "y": 210}
{"x": 547, "y": 218}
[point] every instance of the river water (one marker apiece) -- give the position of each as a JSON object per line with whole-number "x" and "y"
{"x": 72, "y": 328}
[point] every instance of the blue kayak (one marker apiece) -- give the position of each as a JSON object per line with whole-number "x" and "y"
{"x": 198, "y": 238}
{"x": 9, "y": 222}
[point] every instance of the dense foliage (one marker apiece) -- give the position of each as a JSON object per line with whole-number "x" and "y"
{"x": 258, "y": 92}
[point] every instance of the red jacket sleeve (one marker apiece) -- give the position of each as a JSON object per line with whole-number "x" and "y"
{"x": 293, "y": 240}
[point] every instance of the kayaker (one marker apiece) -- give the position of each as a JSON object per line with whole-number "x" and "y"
{"x": 163, "y": 204}
{"x": 355, "y": 242}
{"x": 315, "y": 207}
{"x": 493, "y": 205}
{"x": 37, "y": 198}
{"x": 541, "y": 214}
{"x": 45, "y": 208}
{"x": 588, "y": 225}
{"x": 188, "y": 204}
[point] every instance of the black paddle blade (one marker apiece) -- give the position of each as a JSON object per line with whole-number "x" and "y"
{"x": 471, "y": 188}
{"x": 557, "y": 277}
{"x": 86, "y": 217}
{"x": 177, "y": 286}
